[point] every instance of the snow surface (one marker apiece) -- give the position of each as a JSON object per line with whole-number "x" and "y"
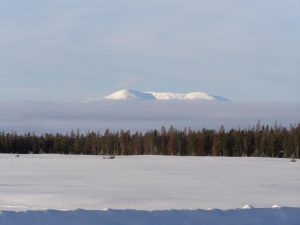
{"x": 134, "y": 94}
{"x": 283, "y": 216}
{"x": 148, "y": 190}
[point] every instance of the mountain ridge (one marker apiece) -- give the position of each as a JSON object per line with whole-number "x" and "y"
{"x": 130, "y": 94}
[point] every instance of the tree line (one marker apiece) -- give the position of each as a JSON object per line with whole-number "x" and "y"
{"x": 260, "y": 140}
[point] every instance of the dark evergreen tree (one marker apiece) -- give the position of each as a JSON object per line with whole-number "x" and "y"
{"x": 270, "y": 141}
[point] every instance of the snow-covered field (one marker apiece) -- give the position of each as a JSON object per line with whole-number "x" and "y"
{"x": 161, "y": 189}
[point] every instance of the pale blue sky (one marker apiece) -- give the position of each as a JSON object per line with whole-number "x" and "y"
{"x": 246, "y": 50}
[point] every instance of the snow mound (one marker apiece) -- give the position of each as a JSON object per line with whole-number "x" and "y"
{"x": 134, "y": 94}
{"x": 247, "y": 207}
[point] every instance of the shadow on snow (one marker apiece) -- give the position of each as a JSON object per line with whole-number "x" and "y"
{"x": 253, "y": 216}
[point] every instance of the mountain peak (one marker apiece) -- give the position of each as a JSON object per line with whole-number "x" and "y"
{"x": 127, "y": 94}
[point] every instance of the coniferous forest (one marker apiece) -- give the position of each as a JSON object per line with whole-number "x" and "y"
{"x": 260, "y": 141}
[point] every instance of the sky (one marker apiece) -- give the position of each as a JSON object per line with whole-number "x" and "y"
{"x": 58, "y": 50}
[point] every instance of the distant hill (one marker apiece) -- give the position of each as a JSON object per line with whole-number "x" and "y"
{"x": 127, "y": 94}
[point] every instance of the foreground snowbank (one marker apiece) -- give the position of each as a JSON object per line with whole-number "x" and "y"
{"x": 253, "y": 216}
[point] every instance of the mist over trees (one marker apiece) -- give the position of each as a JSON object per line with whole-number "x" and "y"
{"x": 260, "y": 140}
{"x": 62, "y": 117}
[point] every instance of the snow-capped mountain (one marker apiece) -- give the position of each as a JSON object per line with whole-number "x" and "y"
{"x": 127, "y": 94}
{"x": 130, "y": 94}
